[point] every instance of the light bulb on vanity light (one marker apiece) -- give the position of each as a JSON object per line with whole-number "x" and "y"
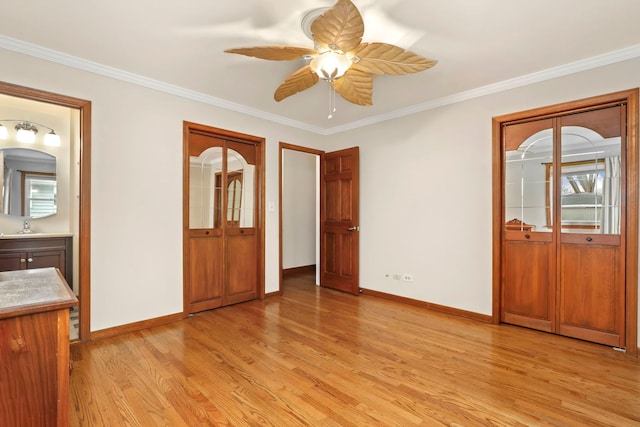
{"x": 26, "y": 132}
{"x": 4, "y": 132}
{"x": 52, "y": 139}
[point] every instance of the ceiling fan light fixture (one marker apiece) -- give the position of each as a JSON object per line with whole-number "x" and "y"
{"x": 339, "y": 56}
{"x": 330, "y": 65}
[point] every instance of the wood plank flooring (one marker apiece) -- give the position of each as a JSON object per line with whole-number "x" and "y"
{"x": 318, "y": 357}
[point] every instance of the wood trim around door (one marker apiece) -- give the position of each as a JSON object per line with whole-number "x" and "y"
{"x": 84, "y": 220}
{"x": 630, "y": 97}
{"x": 284, "y": 146}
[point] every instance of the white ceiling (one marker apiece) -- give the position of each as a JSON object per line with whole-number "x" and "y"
{"x": 482, "y": 47}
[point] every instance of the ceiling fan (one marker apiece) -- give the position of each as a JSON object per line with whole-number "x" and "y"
{"x": 339, "y": 56}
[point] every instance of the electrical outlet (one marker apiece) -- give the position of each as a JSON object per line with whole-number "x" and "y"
{"x": 396, "y": 276}
{"x": 407, "y": 277}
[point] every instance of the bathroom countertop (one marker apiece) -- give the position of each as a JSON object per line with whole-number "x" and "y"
{"x": 33, "y": 235}
{"x": 33, "y": 291}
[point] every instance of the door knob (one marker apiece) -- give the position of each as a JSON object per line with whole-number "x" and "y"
{"x": 354, "y": 228}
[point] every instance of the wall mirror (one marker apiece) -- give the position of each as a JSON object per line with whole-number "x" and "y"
{"x": 29, "y": 186}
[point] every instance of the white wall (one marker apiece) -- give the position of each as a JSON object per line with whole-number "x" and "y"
{"x": 425, "y": 187}
{"x": 298, "y": 209}
{"x": 136, "y": 212}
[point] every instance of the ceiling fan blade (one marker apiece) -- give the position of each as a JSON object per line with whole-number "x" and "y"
{"x": 302, "y": 79}
{"x": 355, "y": 86}
{"x": 383, "y": 58}
{"x": 339, "y": 26}
{"x": 274, "y": 53}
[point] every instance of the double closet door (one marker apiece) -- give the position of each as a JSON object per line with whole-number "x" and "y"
{"x": 563, "y": 237}
{"x": 222, "y": 243}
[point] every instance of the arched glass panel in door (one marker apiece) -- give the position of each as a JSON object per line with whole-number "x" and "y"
{"x": 528, "y": 204}
{"x": 205, "y": 203}
{"x": 240, "y": 190}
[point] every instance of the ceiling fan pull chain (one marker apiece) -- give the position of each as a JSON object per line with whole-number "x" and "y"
{"x": 332, "y": 101}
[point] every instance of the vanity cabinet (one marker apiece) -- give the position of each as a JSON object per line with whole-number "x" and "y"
{"x": 24, "y": 253}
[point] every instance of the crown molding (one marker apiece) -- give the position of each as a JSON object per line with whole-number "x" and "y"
{"x": 51, "y": 55}
{"x": 609, "y": 58}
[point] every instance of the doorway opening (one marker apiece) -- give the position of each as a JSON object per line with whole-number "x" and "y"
{"x": 299, "y": 212}
{"x": 337, "y": 211}
{"x": 79, "y": 124}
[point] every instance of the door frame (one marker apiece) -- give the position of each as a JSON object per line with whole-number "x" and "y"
{"x": 84, "y": 218}
{"x": 187, "y": 127}
{"x": 284, "y": 146}
{"x": 630, "y": 97}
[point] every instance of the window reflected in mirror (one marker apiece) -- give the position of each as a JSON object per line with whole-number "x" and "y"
{"x": 39, "y": 194}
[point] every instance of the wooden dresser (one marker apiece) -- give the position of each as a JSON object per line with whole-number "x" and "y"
{"x": 34, "y": 347}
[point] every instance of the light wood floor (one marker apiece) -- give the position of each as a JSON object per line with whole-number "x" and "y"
{"x": 319, "y": 357}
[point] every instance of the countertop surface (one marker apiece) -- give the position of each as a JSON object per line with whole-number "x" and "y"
{"x": 32, "y": 291}
{"x": 33, "y": 235}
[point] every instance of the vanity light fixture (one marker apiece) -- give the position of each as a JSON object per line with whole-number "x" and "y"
{"x": 26, "y": 132}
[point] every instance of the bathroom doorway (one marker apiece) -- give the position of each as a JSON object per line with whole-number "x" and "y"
{"x": 78, "y": 122}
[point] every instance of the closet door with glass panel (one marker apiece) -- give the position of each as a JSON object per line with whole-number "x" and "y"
{"x": 221, "y": 241}
{"x": 591, "y": 185}
{"x": 563, "y": 245}
{"x": 529, "y": 252}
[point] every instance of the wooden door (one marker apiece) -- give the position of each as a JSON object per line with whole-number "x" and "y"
{"x": 240, "y": 195}
{"x": 222, "y": 240}
{"x": 528, "y": 252}
{"x": 339, "y": 225}
{"x": 591, "y": 270}
{"x": 567, "y": 228}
